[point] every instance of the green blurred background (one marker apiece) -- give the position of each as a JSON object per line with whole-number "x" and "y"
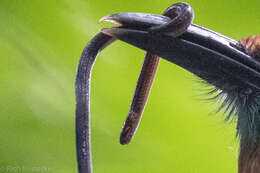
{"x": 40, "y": 45}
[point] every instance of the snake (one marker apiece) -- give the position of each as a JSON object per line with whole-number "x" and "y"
{"x": 181, "y": 15}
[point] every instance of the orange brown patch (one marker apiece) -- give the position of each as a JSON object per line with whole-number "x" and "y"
{"x": 251, "y": 45}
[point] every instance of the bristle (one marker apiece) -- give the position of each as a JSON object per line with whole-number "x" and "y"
{"x": 238, "y": 102}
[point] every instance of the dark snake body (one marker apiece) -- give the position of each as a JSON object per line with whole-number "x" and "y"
{"x": 85, "y": 65}
{"x": 177, "y": 26}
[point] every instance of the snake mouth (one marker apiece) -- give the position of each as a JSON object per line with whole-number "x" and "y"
{"x": 205, "y": 53}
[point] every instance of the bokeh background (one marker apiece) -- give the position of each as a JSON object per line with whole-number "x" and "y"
{"x": 40, "y": 45}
